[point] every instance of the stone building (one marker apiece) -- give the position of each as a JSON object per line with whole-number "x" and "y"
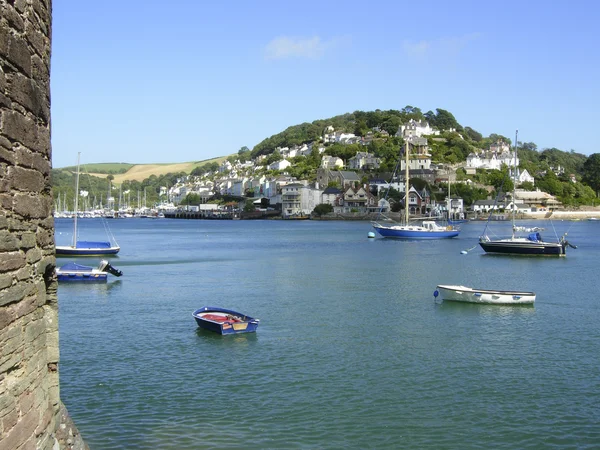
{"x": 31, "y": 412}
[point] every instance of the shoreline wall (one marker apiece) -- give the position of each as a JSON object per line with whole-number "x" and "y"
{"x": 31, "y": 413}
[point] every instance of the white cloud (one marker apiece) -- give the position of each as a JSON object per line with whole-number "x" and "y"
{"x": 290, "y": 47}
{"x": 438, "y": 48}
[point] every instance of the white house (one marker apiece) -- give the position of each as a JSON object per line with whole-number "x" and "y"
{"x": 498, "y": 154}
{"x": 280, "y": 165}
{"x": 363, "y": 160}
{"x": 417, "y": 128}
{"x": 298, "y": 199}
{"x": 331, "y": 162}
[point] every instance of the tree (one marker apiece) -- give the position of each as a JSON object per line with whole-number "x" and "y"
{"x": 500, "y": 180}
{"x": 249, "y": 206}
{"x": 591, "y": 172}
{"x": 391, "y": 125}
{"x": 322, "y": 209}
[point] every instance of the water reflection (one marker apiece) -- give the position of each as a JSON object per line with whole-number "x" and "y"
{"x": 215, "y": 339}
{"x": 89, "y": 289}
{"x": 477, "y": 309}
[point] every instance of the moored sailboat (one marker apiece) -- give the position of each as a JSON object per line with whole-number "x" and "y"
{"x": 86, "y": 248}
{"x": 428, "y": 229}
{"x": 531, "y": 243}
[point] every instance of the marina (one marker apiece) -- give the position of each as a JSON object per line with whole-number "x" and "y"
{"x": 352, "y": 350}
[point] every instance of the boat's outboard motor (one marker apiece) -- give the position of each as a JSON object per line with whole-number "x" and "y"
{"x": 106, "y": 267}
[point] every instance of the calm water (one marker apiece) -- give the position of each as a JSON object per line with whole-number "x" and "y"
{"x": 352, "y": 351}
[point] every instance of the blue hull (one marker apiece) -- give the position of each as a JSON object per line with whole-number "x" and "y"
{"x": 88, "y": 248}
{"x": 241, "y": 324}
{"x": 86, "y": 251}
{"x": 82, "y": 277}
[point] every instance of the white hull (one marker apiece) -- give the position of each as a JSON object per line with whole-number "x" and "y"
{"x": 485, "y": 296}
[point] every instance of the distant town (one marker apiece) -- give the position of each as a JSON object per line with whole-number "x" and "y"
{"x": 341, "y": 188}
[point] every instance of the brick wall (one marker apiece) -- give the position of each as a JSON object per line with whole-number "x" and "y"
{"x": 30, "y": 409}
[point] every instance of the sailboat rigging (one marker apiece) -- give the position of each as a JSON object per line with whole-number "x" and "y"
{"x": 428, "y": 229}
{"x": 532, "y": 244}
{"x": 86, "y": 248}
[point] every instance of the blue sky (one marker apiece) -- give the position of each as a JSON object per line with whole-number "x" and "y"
{"x": 145, "y": 81}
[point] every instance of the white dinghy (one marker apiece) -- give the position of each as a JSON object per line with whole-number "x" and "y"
{"x": 470, "y": 295}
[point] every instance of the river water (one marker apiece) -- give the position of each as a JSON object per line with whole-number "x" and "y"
{"x": 352, "y": 351}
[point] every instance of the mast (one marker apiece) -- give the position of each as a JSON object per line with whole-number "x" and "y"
{"x": 407, "y": 187}
{"x": 514, "y": 183}
{"x": 76, "y": 202}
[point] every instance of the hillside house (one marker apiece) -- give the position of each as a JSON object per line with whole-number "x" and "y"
{"x": 499, "y": 154}
{"x": 364, "y": 161}
{"x": 416, "y": 128}
{"x": 280, "y": 165}
{"x": 331, "y": 162}
{"x": 330, "y": 195}
{"x": 357, "y": 199}
{"x": 299, "y": 199}
{"x": 343, "y": 178}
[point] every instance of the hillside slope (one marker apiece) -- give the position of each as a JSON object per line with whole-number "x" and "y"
{"x": 139, "y": 172}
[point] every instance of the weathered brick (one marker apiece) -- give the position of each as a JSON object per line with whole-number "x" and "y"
{"x": 6, "y": 155}
{"x": 22, "y": 431}
{"x": 6, "y": 317}
{"x": 4, "y": 39}
{"x": 26, "y": 92}
{"x": 2, "y": 79}
{"x": 6, "y": 201}
{"x": 38, "y": 41}
{"x": 45, "y": 238}
{"x": 40, "y": 72}
{"x": 25, "y": 180}
{"x": 32, "y": 207}
{"x": 28, "y": 240}
{"x": 12, "y": 294}
{"x": 5, "y": 101}
{"x": 24, "y": 273}
{"x": 7, "y": 402}
{"x": 20, "y": 128}
{"x": 18, "y": 54}
{"x": 33, "y": 255}
{"x": 39, "y": 162}
{"x": 11, "y": 261}
{"x": 13, "y": 18}
{"x": 5, "y": 281}
{"x": 10, "y": 419}
{"x": 8, "y": 242}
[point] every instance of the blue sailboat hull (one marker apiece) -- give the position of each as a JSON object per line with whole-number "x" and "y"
{"x": 88, "y": 248}
{"x": 432, "y": 231}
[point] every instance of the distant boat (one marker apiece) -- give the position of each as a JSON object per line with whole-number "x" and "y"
{"x": 224, "y": 321}
{"x": 428, "y": 229}
{"x": 529, "y": 244}
{"x": 86, "y": 248}
{"x": 457, "y": 221}
{"x": 77, "y": 272}
{"x": 470, "y": 295}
